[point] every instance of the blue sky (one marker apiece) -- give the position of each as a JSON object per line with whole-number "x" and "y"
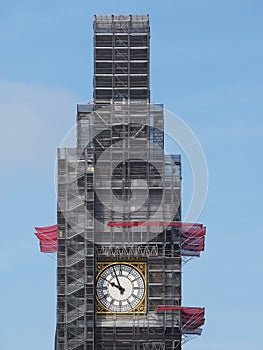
{"x": 206, "y": 66}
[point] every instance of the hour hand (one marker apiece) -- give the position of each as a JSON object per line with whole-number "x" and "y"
{"x": 121, "y": 289}
{"x": 113, "y": 284}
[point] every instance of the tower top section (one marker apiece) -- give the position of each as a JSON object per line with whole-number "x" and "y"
{"x": 122, "y": 18}
{"x": 121, "y": 59}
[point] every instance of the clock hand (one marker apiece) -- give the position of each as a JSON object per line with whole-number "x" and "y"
{"x": 116, "y": 276}
{"x": 121, "y": 289}
{"x": 113, "y": 284}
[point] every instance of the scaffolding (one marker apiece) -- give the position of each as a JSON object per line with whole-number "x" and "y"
{"x": 119, "y": 202}
{"x": 121, "y": 59}
{"x": 127, "y": 142}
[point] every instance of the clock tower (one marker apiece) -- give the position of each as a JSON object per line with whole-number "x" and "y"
{"x": 119, "y": 208}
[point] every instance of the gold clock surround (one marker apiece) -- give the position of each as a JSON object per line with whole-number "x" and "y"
{"x": 141, "y": 268}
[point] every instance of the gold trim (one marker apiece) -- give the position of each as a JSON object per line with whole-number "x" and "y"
{"x": 141, "y": 267}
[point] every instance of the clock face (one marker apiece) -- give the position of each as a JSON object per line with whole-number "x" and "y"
{"x": 121, "y": 288}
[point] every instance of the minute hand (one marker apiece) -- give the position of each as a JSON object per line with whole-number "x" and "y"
{"x": 122, "y": 290}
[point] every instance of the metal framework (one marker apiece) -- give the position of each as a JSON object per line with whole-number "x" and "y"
{"x": 121, "y": 58}
{"x": 119, "y": 200}
{"x": 126, "y": 142}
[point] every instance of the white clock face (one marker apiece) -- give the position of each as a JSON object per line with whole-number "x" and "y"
{"x": 120, "y": 288}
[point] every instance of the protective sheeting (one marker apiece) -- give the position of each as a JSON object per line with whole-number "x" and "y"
{"x": 193, "y": 240}
{"x": 47, "y": 229}
{"x": 48, "y": 247}
{"x": 192, "y": 318}
{"x": 48, "y": 238}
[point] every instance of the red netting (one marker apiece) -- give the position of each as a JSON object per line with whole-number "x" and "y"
{"x": 47, "y": 229}
{"x": 48, "y": 238}
{"x": 154, "y": 223}
{"x": 191, "y": 317}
